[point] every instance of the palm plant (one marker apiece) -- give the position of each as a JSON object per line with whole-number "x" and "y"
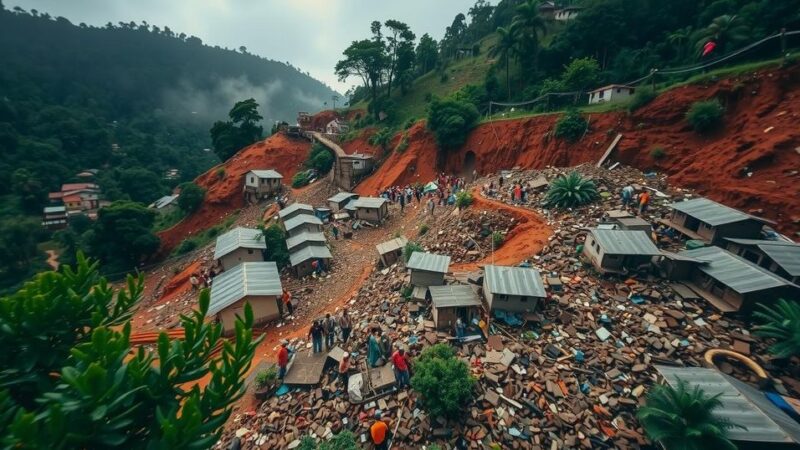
{"x": 679, "y": 40}
{"x": 505, "y": 48}
{"x": 683, "y": 418}
{"x": 725, "y": 30}
{"x": 571, "y": 190}
{"x": 528, "y": 24}
{"x": 782, "y": 323}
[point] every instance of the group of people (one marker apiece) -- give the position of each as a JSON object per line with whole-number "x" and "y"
{"x": 202, "y": 279}
{"x": 326, "y": 330}
{"x": 517, "y": 190}
{"x": 447, "y": 186}
{"x": 638, "y": 201}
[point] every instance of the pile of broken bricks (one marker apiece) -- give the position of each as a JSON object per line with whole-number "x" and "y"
{"x": 572, "y": 376}
{"x": 465, "y": 237}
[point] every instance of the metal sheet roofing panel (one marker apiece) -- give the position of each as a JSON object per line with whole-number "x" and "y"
{"x": 342, "y": 196}
{"x": 250, "y": 278}
{"x": 295, "y": 207}
{"x": 453, "y": 295}
{"x": 305, "y": 236}
{"x": 369, "y": 202}
{"x": 238, "y": 238}
{"x": 268, "y": 173}
{"x": 296, "y": 221}
{"x": 312, "y": 251}
{"x": 521, "y": 281}
{"x": 786, "y": 256}
{"x": 429, "y": 262}
{"x": 735, "y": 272}
{"x": 710, "y": 212}
{"x": 625, "y": 242}
{"x": 392, "y": 245}
{"x": 741, "y": 404}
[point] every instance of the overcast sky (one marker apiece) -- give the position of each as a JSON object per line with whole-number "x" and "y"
{"x": 310, "y": 34}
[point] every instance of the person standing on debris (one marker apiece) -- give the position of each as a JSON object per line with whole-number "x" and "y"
{"x": 431, "y": 204}
{"x": 283, "y": 358}
{"x": 518, "y": 193}
{"x": 315, "y": 334}
{"x": 287, "y": 301}
{"x": 335, "y": 231}
{"x": 644, "y": 200}
{"x": 379, "y": 432}
{"x": 373, "y": 349}
{"x": 385, "y": 343}
{"x": 401, "y": 368}
{"x": 329, "y": 327}
{"x": 627, "y": 195}
{"x": 344, "y": 370}
{"x": 346, "y": 324}
{"x": 460, "y": 328}
{"x": 402, "y": 203}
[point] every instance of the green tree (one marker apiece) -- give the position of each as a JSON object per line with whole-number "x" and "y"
{"x": 443, "y": 382}
{"x": 139, "y": 184}
{"x": 726, "y": 30}
{"x": 398, "y": 41}
{"x": 528, "y": 25}
{"x": 29, "y": 188}
{"x": 571, "y": 126}
{"x": 320, "y": 159}
{"x": 18, "y": 247}
{"x": 782, "y": 323}
{"x": 680, "y": 418}
{"x": 74, "y": 381}
{"x": 427, "y": 54}
{"x": 705, "y": 116}
{"x": 275, "y": 238}
{"x": 581, "y": 74}
{"x": 366, "y": 59}
{"x": 122, "y": 236}
{"x": 679, "y": 39}
{"x": 504, "y": 49}
{"x": 571, "y": 190}
{"x": 382, "y": 138}
{"x": 242, "y": 130}
{"x": 191, "y": 197}
{"x": 451, "y": 120}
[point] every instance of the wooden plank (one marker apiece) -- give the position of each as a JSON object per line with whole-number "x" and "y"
{"x": 609, "y": 150}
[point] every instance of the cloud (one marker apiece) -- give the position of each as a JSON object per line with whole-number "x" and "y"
{"x": 211, "y": 103}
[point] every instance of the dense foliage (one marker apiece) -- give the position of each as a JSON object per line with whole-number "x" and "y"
{"x": 571, "y": 126}
{"x": 275, "y": 238}
{"x": 443, "y": 381}
{"x": 122, "y": 235}
{"x": 73, "y": 380}
{"x": 345, "y": 440}
{"x": 240, "y": 131}
{"x": 463, "y": 199}
{"x": 451, "y": 120}
{"x": 570, "y": 191}
{"x": 782, "y": 323}
{"x": 320, "y": 159}
{"x": 683, "y": 418}
{"x": 191, "y": 197}
{"x": 706, "y": 115}
{"x": 412, "y": 247}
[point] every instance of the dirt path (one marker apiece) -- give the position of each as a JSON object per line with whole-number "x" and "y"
{"x": 526, "y": 239}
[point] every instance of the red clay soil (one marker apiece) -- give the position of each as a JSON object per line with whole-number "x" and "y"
{"x": 224, "y": 195}
{"x": 760, "y": 135}
{"x": 526, "y": 239}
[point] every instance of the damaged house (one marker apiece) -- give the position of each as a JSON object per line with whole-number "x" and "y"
{"x": 619, "y": 251}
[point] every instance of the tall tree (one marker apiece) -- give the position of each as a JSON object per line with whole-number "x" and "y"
{"x": 367, "y": 60}
{"x": 242, "y": 130}
{"x": 427, "y": 54}
{"x": 725, "y": 30}
{"x": 398, "y": 41}
{"x": 505, "y": 48}
{"x": 480, "y": 20}
{"x": 122, "y": 236}
{"x": 528, "y": 25}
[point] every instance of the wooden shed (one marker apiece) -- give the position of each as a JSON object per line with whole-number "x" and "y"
{"x": 302, "y": 223}
{"x": 263, "y": 183}
{"x": 302, "y": 260}
{"x": 452, "y": 302}
{"x": 294, "y": 210}
{"x": 391, "y": 251}
{"x": 371, "y": 209}
{"x": 257, "y": 283}
{"x": 428, "y": 269}
{"x": 619, "y": 251}
{"x": 338, "y": 201}
{"x": 305, "y": 239}
{"x": 239, "y": 245}
{"x": 514, "y": 289}
{"x": 706, "y": 220}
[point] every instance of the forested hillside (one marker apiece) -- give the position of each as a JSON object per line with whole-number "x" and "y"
{"x": 131, "y": 100}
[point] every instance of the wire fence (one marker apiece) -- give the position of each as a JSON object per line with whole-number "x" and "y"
{"x": 654, "y": 73}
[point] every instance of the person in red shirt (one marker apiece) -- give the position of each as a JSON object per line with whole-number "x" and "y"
{"x": 379, "y": 432}
{"x": 400, "y": 367}
{"x": 644, "y": 201}
{"x": 283, "y": 358}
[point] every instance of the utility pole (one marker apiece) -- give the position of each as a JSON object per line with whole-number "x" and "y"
{"x": 783, "y": 46}
{"x": 653, "y": 79}
{"x": 334, "y": 98}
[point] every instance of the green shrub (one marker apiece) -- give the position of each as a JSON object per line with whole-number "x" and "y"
{"x": 220, "y": 173}
{"x": 571, "y": 190}
{"x": 643, "y": 96}
{"x": 320, "y": 158}
{"x": 463, "y": 199}
{"x": 409, "y": 123}
{"x": 497, "y": 239}
{"x": 680, "y": 418}
{"x": 658, "y": 153}
{"x": 571, "y": 126}
{"x": 409, "y": 250}
{"x": 266, "y": 376}
{"x": 406, "y": 291}
{"x": 186, "y": 246}
{"x": 191, "y": 197}
{"x": 402, "y": 145}
{"x": 451, "y": 120}
{"x": 382, "y": 138}
{"x": 782, "y": 323}
{"x": 275, "y": 239}
{"x": 423, "y": 229}
{"x": 443, "y": 382}
{"x": 300, "y": 179}
{"x": 705, "y": 116}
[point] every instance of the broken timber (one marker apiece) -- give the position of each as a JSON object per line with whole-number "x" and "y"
{"x": 609, "y": 150}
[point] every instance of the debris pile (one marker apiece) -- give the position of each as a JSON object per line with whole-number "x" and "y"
{"x": 468, "y": 236}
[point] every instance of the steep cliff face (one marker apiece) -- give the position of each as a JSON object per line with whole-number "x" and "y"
{"x": 751, "y": 163}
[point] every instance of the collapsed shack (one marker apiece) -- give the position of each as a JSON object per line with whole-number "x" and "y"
{"x": 452, "y": 302}
{"x": 619, "y": 251}
{"x": 391, "y": 251}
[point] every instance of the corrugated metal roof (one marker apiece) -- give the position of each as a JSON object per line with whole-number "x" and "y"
{"x": 306, "y": 236}
{"x": 54, "y": 209}
{"x": 296, "y": 221}
{"x": 429, "y": 262}
{"x": 295, "y": 207}
{"x": 342, "y": 196}
{"x": 677, "y": 257}
{"x": 453, "y": 295}
{"x": 741, "y": 404}
{"x": 785, "y": 254}
{"x": 390, "y": 246}
{"x": 711, "y": 212}
{"x": 306, "y": 253}
{"x": 268, "y": 173}
{"x": 521, "y": 281}
{"x": 163, "y": 201}
{"x": 238, "y": 238}
{"x": 735, "y": 272}
{"x": 625, "y": 242}
{"x": 250, "y": 278}
{"x": 369, "y": 202}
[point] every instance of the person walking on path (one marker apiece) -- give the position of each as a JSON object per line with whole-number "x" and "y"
{"x": 329, "y": 327}
{"x": 379, "y": 432}
{"x": 346, "y": 324}
{"x": 460, "y": 328}
{"x": 283, "y": 358}
{"x": 315, "y": 334}
{"x": 286, "y": 297}
{"x": 335, "y": 231}
{"x": 402, "y": 203}
{"x": 373, "y": 349}
{"x": 431, "y": 205}
{"x": 344, "y": 370}
{"x": 401, "y": 368}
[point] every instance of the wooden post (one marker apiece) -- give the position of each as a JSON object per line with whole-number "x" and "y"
{"x": 783, "y": 46}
